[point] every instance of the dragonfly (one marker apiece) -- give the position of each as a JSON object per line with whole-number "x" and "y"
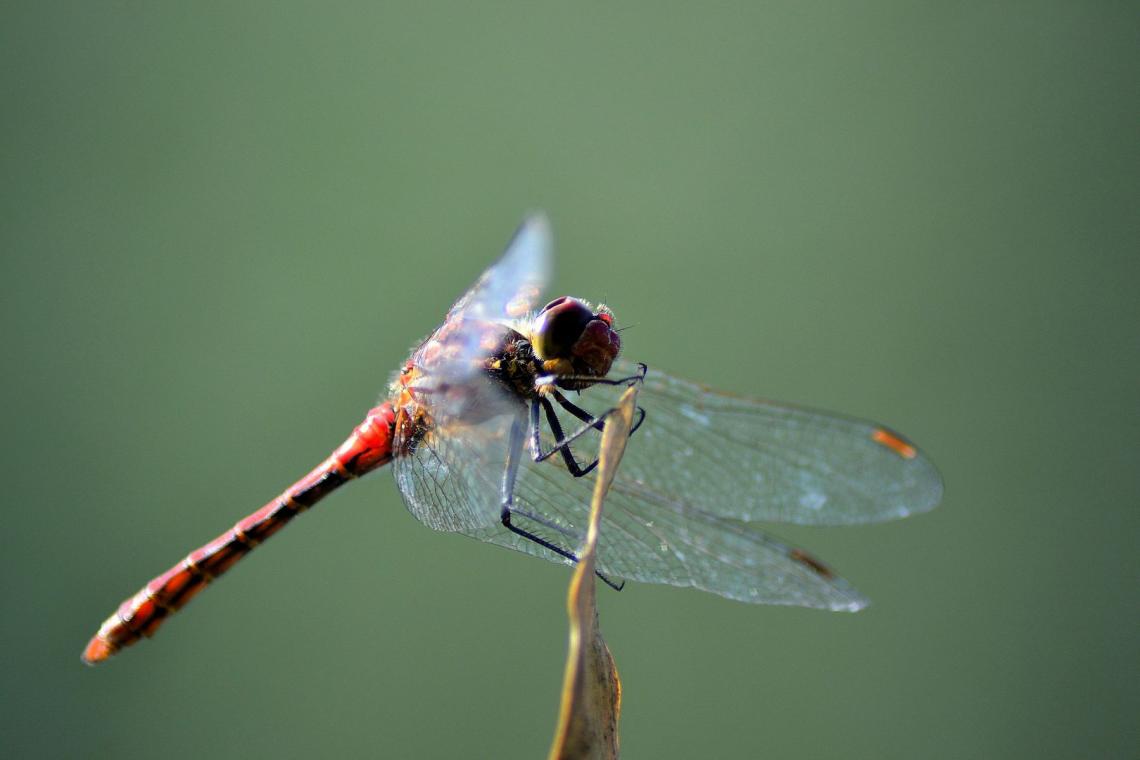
{"x": 492, "y": 427}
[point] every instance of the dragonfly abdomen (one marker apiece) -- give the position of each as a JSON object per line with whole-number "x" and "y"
{"x": 368, "y": 447}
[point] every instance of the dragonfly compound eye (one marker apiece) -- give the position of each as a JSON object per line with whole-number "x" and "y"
{"x": 568, "y": 328}
{"x": 558, "y": 327}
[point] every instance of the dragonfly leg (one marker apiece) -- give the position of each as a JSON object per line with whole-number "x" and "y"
{"x": 510, "y": 474}
{"x": 585, "y": 416}
{"x": 556, "y": 527}
{"x": 562, "y": 441}
{"x": 577, "y": 411}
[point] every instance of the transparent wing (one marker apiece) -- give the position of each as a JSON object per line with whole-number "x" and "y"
{"x": 510, "y": 287}
{"x": 451, "y": 480}
{"x": 753, "y": 460}
{"x": 450, "y": 475}
{"x": 506, "y": 291}
{"x": 649, "y": 536}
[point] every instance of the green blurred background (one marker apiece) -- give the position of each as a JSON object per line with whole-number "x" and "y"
{"x": 224, "y": 224}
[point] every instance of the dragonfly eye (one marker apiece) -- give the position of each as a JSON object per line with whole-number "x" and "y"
{"x": 568, "y": 328}
{"x": 558, "y": 327}
{"x": 555, "y": 302}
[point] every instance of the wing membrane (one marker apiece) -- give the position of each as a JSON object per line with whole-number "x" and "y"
{"x": 451, "y": 482}
{"x": 753, "y": 460}
{"x": 654, "y": 538}
{"x": 506, "y": 291}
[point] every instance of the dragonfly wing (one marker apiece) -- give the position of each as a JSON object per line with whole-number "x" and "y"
{"x": 450, "y": 476}
{"x": 451, "y": 479}
{"x": 654, "y": 538}
{"x": 753, "y": 460}
{"x": 505, "y": 292}
{"x": 511, "y": 286}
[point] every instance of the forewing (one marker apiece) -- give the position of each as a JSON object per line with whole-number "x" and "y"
{"x": 752, "y": 460}
{"x": 511, "y": 286}
{"x": 505, "y": 292}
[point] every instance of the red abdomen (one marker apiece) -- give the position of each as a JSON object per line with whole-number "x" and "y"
{"x": 368, "y": 447}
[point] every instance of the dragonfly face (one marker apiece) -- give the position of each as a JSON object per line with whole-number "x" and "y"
{"x": 570, "y": 338}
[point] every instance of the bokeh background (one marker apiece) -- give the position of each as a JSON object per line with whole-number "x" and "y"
{"x": 224, "y": 224}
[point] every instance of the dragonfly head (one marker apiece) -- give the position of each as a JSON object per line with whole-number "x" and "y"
{"x": 570, "y": 331}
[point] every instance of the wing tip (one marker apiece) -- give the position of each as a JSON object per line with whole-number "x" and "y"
{"x": 855, "y": 602}
{"x": 536, "y": 226}
{"x": 534, "y": 241}
{"x": 931, "y": 489}
{"x": 538, "y": 219}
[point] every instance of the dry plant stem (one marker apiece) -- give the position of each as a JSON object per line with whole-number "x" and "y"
{"x": 591, "y": 689}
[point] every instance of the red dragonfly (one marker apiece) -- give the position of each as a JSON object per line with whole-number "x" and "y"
{"x": 492, "y": 429}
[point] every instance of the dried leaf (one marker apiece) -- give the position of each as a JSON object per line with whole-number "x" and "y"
{"x": 591, "y": 689}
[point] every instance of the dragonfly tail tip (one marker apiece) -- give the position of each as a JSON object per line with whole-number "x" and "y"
{"x": 97, "y": 650}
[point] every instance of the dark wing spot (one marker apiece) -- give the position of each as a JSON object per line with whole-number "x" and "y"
{"x": 805, "y": 559}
